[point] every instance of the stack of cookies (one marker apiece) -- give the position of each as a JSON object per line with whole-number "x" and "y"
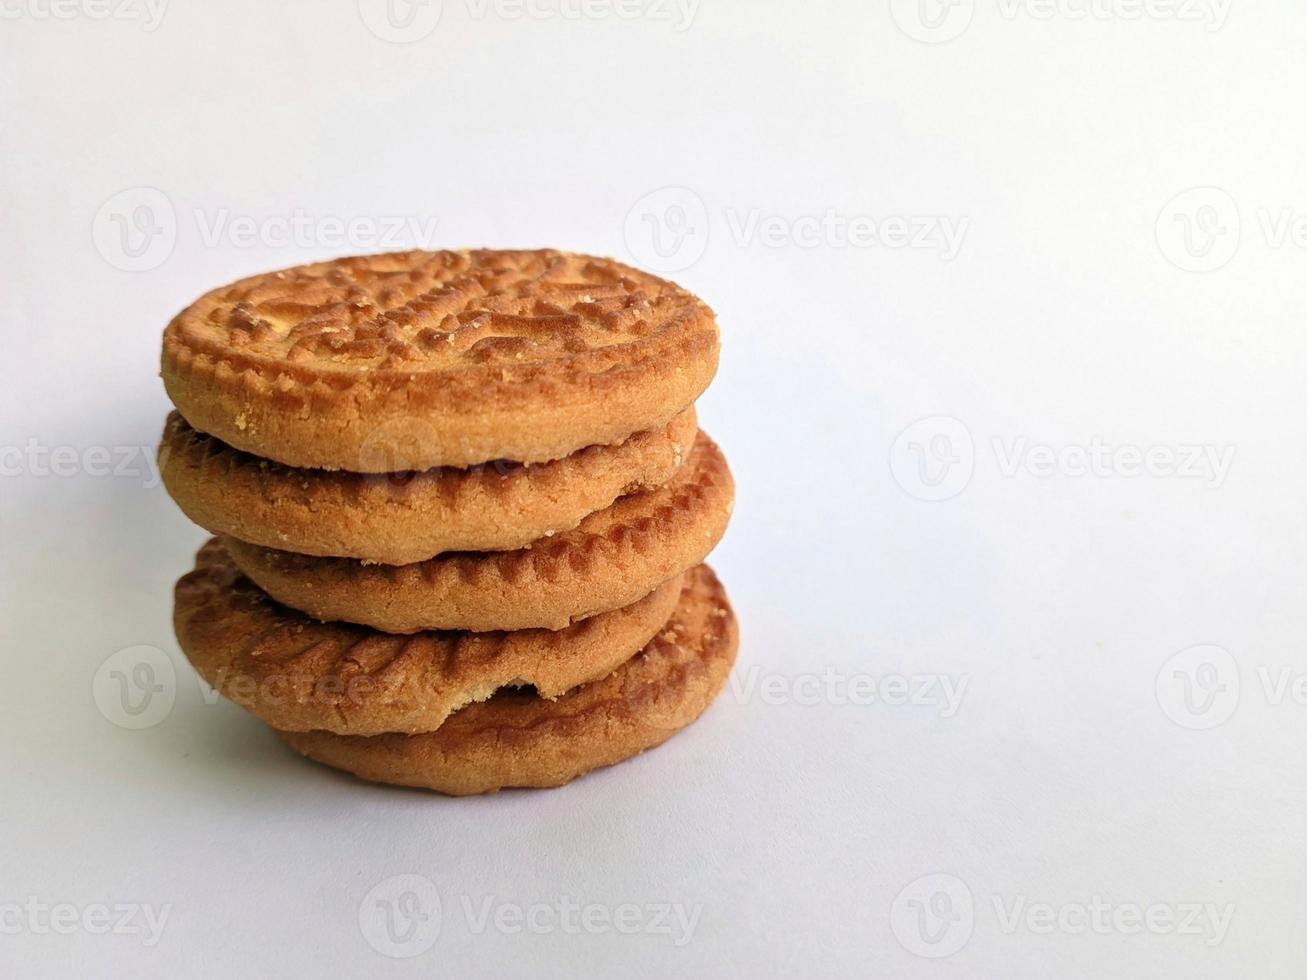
{"x": 461, "y": 501}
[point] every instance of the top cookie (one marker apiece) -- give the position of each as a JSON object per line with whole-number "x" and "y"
{"x": 413, "y": 360}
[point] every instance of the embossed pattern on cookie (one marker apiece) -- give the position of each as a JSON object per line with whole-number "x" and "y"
{"x": 522, "y": 355}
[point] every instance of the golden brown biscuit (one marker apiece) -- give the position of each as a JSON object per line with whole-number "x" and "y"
{"x": 297, "y": 673}
{"x": 519, "y": 739}
{"x": 407, "y": 517}
{"x": 464, "y": 357}
{"x": 613, "y": 558}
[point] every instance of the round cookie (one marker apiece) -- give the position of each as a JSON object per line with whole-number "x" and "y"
{"x": 401, "y": 518}
{"x": 613, "y": 558}
{"x": 458, "y": 358}
{"x": 299, "y": 674}
{"x": 518, "y": 739}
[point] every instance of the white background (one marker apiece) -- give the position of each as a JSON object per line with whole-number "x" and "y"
{"x": 1074, "y": 313}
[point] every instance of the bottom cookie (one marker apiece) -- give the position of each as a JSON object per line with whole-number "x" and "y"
{"x": 519, "y": 739}
{"x": 299, "y": 674}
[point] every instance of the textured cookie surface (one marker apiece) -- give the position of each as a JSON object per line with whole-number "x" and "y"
{"x": 455, "y": 358}
{"x": 519, "y": 739}
{"x": 407, "y": 517}
{"x": 296, "y": 673}
{"x": 613, "y": 558}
